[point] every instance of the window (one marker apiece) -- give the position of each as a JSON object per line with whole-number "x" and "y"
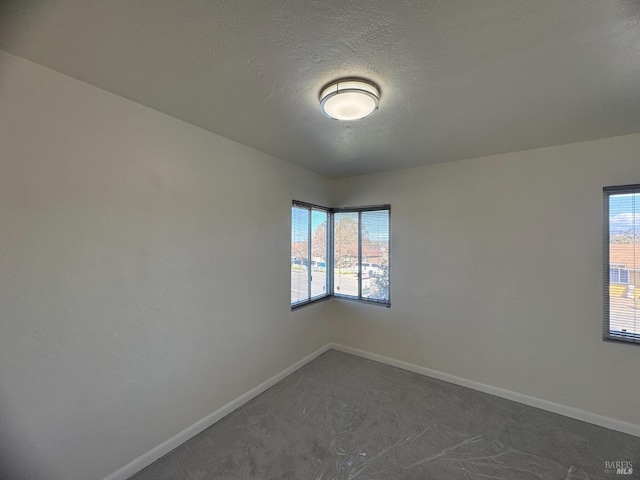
{"x": 357, "y": 267}
{"x": 622, "y": 263}
{"x": 309, "y": 252}
{"x": 617, "y": 274}
{"x": 361, "y": 254}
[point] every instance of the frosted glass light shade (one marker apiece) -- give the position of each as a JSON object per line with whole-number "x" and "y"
{"x": 349, "y": 99}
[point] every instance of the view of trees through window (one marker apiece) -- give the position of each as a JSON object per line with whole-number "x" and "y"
{"x": 360, "y": 254}
{"x": 623, "y": 222}
{"x": 309, "y": 247}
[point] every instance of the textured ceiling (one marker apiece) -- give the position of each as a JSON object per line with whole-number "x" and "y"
{"x": 459, "y": 78}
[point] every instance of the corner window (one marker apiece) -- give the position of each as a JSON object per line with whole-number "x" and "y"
{"x": 357, "y": 266}
{"x": 622, "y": 263}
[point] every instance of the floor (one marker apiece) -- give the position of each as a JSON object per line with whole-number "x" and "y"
{"x": 342, "y": 417}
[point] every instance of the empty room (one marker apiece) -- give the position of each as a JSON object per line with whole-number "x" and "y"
{"x": 319, "y": 240}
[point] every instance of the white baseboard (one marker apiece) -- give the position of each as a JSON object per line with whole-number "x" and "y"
{"x": 151, "y": 456}
{"x": 600, "y": 420}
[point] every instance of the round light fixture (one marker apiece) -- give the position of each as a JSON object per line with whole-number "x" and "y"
{"x": 349, "y": 99}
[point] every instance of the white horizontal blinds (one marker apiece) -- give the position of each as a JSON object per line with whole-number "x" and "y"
{"x": 300, "y": 218}
{"x": 345, "y": 253}
{"x": 622, "y": 268}
{"x": 375, "y": 255}
{"x": 319, "y": 253}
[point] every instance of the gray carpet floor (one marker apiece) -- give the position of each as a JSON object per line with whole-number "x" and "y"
{"x": 342, "y": 417}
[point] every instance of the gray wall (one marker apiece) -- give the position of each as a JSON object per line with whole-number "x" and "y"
{"x": 497, "y": 273}
{"x": 144, "y": 275}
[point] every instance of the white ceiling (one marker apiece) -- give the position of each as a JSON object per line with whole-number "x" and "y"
{"x": 459, "y": 78}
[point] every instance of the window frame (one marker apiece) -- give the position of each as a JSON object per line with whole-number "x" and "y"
{"x": 359, "y": 211}
{"x": 607, "y": 334}
{"x": 330, "y": 292}
{"x": 328, "y": 287}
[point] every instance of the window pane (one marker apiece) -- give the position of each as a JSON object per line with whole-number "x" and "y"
{"x": 375, "y": 255}
{"x": 318, "y": 253}
{"x": 624, "y": 277}
{"x": 299, "y": 254}
{"x": 614, "y": 275}
{"x": 345, "y": 253}
{"x": 624, "y": 262}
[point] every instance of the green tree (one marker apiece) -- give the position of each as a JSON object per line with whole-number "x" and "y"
{"x": 381, "y": 283}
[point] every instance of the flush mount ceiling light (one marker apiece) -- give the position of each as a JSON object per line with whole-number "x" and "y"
{"x": 349, "y": 99}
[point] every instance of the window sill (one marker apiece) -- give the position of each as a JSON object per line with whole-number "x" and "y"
{"x": 362, "y": 300}
{"x": 629, "y": 339}
{"x": 298, "y": 306}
